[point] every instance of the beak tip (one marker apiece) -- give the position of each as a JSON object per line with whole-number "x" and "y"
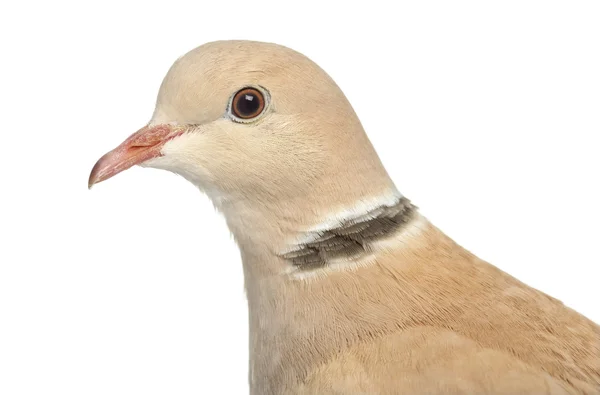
{"x": 145, "y": 144}
{"x": 93, "y": 179}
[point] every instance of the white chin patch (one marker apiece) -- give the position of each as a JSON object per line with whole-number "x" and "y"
{"x": 177, "y": 159}
{"x": 187, "y": 171}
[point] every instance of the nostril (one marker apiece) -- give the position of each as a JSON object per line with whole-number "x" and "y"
{"x": 154, "y": 136}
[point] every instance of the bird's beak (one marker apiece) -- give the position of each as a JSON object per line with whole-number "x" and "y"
{"x": 141, "y": 146}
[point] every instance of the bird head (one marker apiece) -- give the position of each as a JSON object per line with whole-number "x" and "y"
{"x": 254, "y": 122}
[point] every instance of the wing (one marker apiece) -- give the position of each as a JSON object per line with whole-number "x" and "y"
{"x": 429, "y": 360}
{"x": 432, "y": 318}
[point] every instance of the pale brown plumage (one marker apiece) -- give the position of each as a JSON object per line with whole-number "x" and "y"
{"x": 398, "y": 309}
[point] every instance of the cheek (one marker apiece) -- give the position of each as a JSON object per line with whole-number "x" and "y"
{"x": 184, "y": 156}
{"x": 234, "y": 158}
{"x": 280, "y": 163}
{"x": 209, "y": 158}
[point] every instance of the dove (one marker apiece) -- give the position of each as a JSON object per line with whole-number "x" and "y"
{"x": 351, "y": 290}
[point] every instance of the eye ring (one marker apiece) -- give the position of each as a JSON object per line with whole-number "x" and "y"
{"x": 247, "y": 104}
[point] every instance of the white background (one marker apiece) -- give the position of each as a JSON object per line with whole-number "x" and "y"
{"x": 486, "y": 114}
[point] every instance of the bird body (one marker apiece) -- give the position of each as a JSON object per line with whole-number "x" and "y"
{"x": 351, "y": 290}
{"x": 425, "y": 316}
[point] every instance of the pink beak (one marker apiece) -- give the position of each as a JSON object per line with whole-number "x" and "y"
{"x": 141, "y": 146}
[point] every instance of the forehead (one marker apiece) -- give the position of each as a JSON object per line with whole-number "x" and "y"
{"x": 198, "y": 86}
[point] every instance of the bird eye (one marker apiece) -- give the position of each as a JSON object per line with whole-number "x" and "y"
{"x": 248, "y": 103}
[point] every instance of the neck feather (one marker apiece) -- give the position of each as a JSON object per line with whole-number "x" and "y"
{"x": 276, "y": 241}
{"x": 350, "y": 237}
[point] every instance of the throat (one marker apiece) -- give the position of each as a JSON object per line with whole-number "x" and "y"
{"x": 350, "y": 237}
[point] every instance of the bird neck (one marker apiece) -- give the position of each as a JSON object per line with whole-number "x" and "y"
{"x": 292, "y": 315}
{"x": 302, "y": 234}
{"x": 348, "y": 237}
{"x": 352, "y": 220}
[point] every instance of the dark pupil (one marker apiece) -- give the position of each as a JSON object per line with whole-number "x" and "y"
{"x": 248, "y": 104}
